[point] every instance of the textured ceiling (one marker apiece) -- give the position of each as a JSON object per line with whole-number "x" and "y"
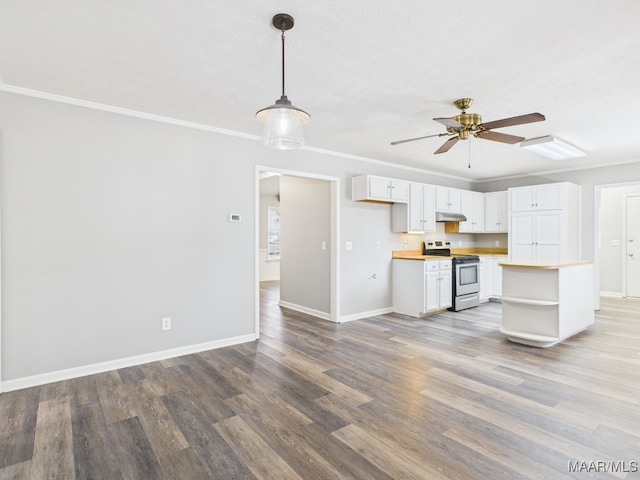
{"x": 368, "y": 72}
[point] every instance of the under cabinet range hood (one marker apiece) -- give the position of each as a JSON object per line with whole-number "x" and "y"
{"x": 450, "y": 217}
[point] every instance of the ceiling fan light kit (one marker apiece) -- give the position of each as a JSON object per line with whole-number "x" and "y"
{"x": 464, "y": 125}
{"x": 552, "y": 148}
{"x": 282, "y": 121}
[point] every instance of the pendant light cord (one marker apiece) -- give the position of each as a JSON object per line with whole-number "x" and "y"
{"x": 283, "y": 29}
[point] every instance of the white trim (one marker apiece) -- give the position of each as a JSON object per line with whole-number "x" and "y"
{"x": 59, "y": 375}
{"x": 199, "y": 126}
{"x": 123, "y": 111}
{"x": 552, "y": 172}
{"x": 361, "y": 315}
{"x": 625, "y": 243}
{"x": 308, "y": 311}
{"x": 612, "y": 294}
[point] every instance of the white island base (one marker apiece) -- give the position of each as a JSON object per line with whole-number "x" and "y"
{"x": 544, "y": 303}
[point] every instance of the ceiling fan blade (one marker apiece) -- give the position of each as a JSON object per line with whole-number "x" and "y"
{"x": 499, "y": 137}
{"x": 508, "y": 122}
{"x": 447, "y": 145}
{"x": 449, "y": 122}
{"x": 418, "y": 138}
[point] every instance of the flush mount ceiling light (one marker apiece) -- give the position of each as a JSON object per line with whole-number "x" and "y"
{"x": 552, "y": 148}
{"x": 282, "y": 121}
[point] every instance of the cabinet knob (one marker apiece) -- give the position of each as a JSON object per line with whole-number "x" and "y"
{"x": 631, "y": 254}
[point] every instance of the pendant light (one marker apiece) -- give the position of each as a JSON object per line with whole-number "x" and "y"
{"x": 282, "y": 121}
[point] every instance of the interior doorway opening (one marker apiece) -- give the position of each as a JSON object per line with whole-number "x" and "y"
{"x": 307, "y": 270}
{"x": 614, "y": 227}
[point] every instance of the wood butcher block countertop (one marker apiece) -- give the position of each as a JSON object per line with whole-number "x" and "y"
{"x": 544, "y": 265}
{"x": 417, "y": 254}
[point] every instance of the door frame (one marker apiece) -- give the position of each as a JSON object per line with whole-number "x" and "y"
{"x": 625, "y": 278}
{"x": 335, "y": 190}
{"x": 597, "y": 191}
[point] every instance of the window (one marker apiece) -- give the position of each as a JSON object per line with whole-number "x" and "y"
{"x": 273, "y": 233}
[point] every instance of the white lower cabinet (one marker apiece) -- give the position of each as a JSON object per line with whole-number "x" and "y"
{"x": 421, "y": 287}
{"x": 490, "y": 278}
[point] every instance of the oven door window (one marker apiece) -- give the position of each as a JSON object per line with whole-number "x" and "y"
{"x": 468, "y": 275}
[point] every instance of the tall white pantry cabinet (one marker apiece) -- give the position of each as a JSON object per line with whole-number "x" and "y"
{"x": 544, "y": 222}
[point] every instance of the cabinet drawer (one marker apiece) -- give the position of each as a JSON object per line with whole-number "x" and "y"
{"x": 430, "y": 266}
{"x": 444, "y": 264}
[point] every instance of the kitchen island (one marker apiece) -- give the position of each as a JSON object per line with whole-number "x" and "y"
{"x": 544, "y": 303}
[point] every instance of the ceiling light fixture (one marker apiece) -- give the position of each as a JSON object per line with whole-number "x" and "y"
{"x": 282, "y": 121}
{"x": 552, "y": 148}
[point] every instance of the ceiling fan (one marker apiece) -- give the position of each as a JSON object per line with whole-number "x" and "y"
{"x": 465, "y": 124}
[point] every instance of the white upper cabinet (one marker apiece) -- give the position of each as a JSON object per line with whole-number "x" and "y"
{"x": 496, "y": 212}
{"x": 472, "y": 207}
{"x": 540, "y": 197}
{"x": 418, "y": 215}
{"x": 379, "y": 189}
{"x": 448, "y": 199}
{"x": 545, "y": 222}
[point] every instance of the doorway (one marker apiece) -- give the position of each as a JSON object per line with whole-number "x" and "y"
{"x": 613, "y": 220}
{"x": 305, "y": 244}
{"x": 632, "y": 246}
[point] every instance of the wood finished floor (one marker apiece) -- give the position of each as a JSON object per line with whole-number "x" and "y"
{"x": 390, "y": 397}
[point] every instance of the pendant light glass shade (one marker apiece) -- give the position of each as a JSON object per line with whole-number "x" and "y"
{"x": 282, "y": 121}
{"x": 282, "y": 125}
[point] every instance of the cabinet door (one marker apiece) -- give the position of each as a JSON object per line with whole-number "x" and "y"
{"x": 428, "y": 208}
{"x": 486, "y": 278}
{"x": 414, "y": 208}
{"x": 431, "y": 284}
{"x": 466, "y": 208}
{"x": 495, "y": 212}
{"x": 522, "y": 236}
{"x": 523, "y": 199}
{"x": 379, "y": 188}
{"x": 550, "y": 197}
{"x": 399, "y": 191}
{"x": 549, "y": 235}
{"x": 503, "y": 202}
{"x": 497, "y": 278}
{"x": 455, "y": 200}
{"x": 442, "y": 199}
{"x": 477, "y": 216}
{"x": 445, "y": 288}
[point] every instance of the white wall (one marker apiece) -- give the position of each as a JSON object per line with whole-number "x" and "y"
{"x": 305, "y": 222}
{"x": 111, "y": 222}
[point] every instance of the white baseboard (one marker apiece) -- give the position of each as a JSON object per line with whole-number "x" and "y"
{"x": 361, "y": 315}
{"x": 269, "y": 278}
{"x": 50, "y": 377}
{"x": 612, "y": 294}
{"x": 309, "y": 311}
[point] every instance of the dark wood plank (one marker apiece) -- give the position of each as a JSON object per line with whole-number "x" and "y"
{"x": 53, "y": 446}
{"x": 214, "y": 453}
{"x": 18, "y": 417}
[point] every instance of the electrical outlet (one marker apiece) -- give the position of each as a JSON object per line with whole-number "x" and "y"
{"x": 497, "y": 243}
{"x": 323, "y": 245}
{"x": 166, "y": 323}
{"x": 378, "y": 244}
